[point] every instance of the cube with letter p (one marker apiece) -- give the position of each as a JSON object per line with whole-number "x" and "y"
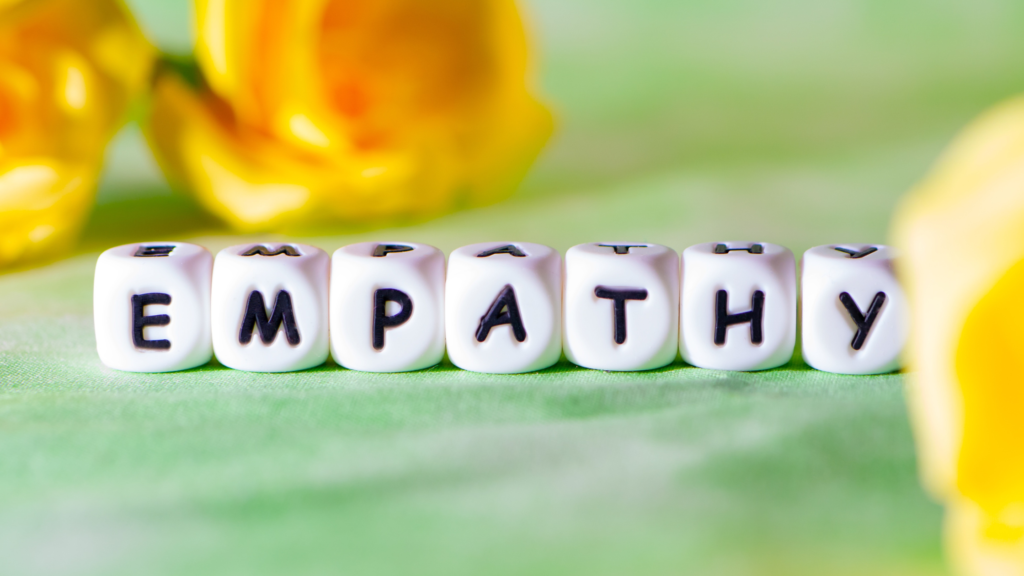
{"x": 387, "y": 306}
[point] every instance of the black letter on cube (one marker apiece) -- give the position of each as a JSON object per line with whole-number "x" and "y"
{"x": 256, "y": 317}
{"x": 504, "y": 310}
{"x": 383, "y": 250}
{"x": 621, "y": 249}
{"x": 723, "y": 319}
{"x": 154, "y": 251}
{"x": 619, "y": 297}
{"x": 140, "y": 320}
{"x": 381, "y": 320}
{"x": 753, "y": 249}
{"x": 510, "y": 250}
{"x": 264, "y": 251}
{"x": 864, "y": 322}
{"x": 854, "y": 253}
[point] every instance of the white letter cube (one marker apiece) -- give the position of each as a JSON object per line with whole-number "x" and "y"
{"x": 387, "y": 306}
{"x": 503, "y": 307}
{"x": 854, "y": 310}
{"x": 621, "y": 306}
{"x": 151, "y": 306}
{"x": 738, "y": 305}
{"x": 269, "y": 307}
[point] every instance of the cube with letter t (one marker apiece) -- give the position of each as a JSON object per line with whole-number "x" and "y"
{"x": 621, "y": 305}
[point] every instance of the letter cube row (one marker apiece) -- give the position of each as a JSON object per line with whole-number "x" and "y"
{"x": 499, "y": 308}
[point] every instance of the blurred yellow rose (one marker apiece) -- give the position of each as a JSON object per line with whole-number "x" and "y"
{"x": 68, "y": 69}
{"x": 962, "y": 233}
{"x": 318, "y": 111}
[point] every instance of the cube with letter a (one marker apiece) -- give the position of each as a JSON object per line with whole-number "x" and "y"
{"x": 503, "y": 307}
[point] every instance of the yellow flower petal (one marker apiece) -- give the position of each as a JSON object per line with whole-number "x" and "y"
{"x": 382, "y": 110}
{"x": 248, "y": 201}
{"x": 72, "y": 90}
{"x": 962, "y": 233}
{"x": 42, "y": 203}
{"x": 63, "y": 92}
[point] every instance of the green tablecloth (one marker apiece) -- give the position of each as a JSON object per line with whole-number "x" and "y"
{"x": 215, "y": 471}
{"x": 793, "y": 121}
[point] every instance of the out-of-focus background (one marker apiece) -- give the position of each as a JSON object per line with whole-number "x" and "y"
{"x": 795, "y": 121}
{"x": 799, "y": 122}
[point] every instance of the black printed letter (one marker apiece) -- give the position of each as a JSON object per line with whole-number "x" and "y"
{"x": 140, "y": 320}
{"x": 383, "y": 250}
{"x": 154, "y": 251}
{"x": 864, "y": 322}
{"x": 856, "y": 254}
{"x": 753, "y": 249}
{"x": 381, "y": 320}
{"x": 264, "y": 251}
{"x": 723, "y": 319}
{"x": 504, "y": 310}
{"x": 619, "y": 297}
{"x": 256, "y": 317}
{"x": 621, "y": 249}
{"x": 511, "y": 250}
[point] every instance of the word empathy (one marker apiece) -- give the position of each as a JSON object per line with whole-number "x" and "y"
{"x": 500, "y": 308}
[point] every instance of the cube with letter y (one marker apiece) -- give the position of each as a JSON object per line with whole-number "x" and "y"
{"x": 855, "y": 313}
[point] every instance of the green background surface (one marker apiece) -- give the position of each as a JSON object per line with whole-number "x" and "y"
{"x": 799, "y": 122}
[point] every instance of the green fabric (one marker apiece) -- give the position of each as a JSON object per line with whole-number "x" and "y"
{"x": 794, "y": 121}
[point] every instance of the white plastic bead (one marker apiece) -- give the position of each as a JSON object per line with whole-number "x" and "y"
{"x": 854, "y": 309}
{"x": 503, "y": 307}
{"x": 621, "y": 306}
{"x": 269, "y": 307}
{"x": 387, "y": 306}
{"x": 151, "y": 303}
{"x": 738, "y": 305}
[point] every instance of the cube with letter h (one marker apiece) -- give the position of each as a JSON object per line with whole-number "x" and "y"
{"x": 387, "y": 306}
{"x": 151, "y": 303}
{"x": 269, "y": 307}
{"x": 738, "y": 305}
{"x": 503, "y": 307}
{"x": 854, "y": 309}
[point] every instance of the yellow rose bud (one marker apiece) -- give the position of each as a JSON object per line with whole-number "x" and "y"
{"x": 315, "y": 111}
{"x": 962, "y": 233}
{"x": 68, "y": 69}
